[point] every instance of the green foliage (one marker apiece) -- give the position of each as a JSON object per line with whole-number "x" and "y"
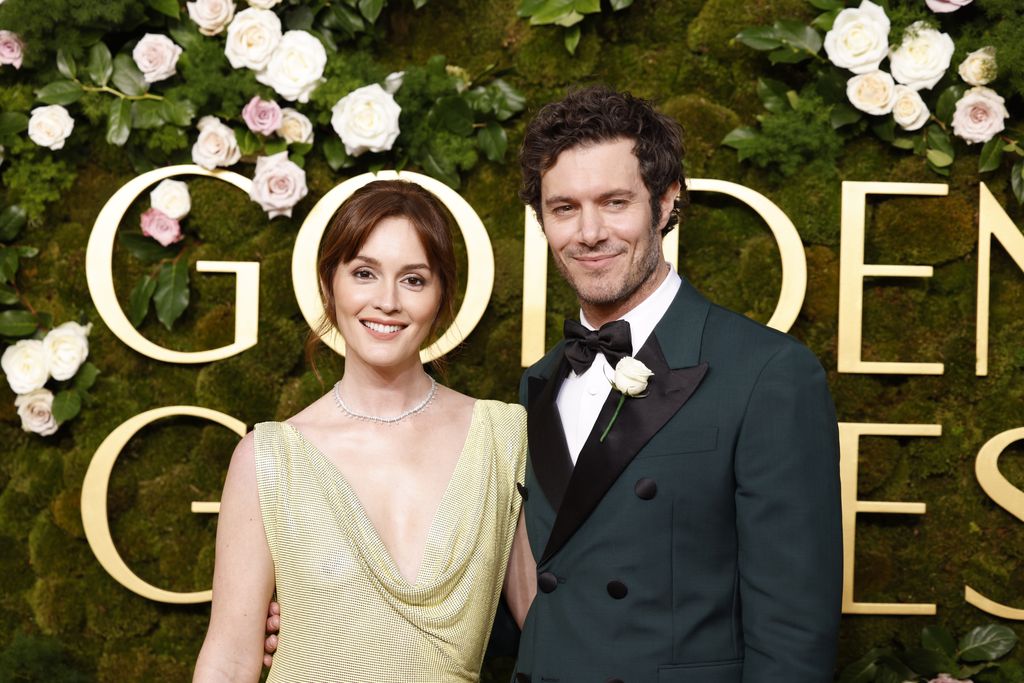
{"x": 39, "y": 658}
{"x": 34, "y": 178}
{"x": 565, "y": 13}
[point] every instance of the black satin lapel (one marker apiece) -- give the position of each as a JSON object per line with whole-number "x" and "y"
{"x": 601, "y": 463}
{"x": 549, "y": 453}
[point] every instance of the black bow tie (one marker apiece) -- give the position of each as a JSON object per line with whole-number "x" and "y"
{"x": 582, "y": 345}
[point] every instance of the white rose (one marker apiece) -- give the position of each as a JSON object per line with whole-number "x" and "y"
{"x": 211, "y": 16}
{"x": 253, "y": 35}
{"x": 65, "y": 348}
{"x": 278, "y": 184}
{"x": 36, "y": 412}
{"x": 631, "y": 376}
{"x": 366, "y": 120}
{"x": 50, "y": 126}
{"x": 908, "y": 109}
{"x": 295, "y": 127}
{"x": 24, "y": 363}
{"x": 393, "y": 81}
{"x": 296, "y": 67}
{"x": 873, "y": 93}
{"x": 156, "y": 56}
{"x": 979, "y": 115}
{"x": 979, "y": 67}
{"x": 859, "y": 39}
{"x": 171, "y": 198}
{"x": 263, "y": 4}
{"x": 216, "y": 144}
{"x": 922, "y": 58}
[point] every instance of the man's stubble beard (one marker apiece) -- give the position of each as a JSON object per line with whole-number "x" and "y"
{"x": 635, "y": 278}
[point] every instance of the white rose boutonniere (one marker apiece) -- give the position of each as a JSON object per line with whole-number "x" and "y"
{"x": 631, "y": 378}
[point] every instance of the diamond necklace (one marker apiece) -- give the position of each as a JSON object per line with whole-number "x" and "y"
{"x": 385, "y": 420}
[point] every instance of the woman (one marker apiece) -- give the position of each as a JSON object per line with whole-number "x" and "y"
{"x": 384, "y": 512}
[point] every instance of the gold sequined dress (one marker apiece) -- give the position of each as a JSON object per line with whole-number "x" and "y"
{"x": 347, "y": 613}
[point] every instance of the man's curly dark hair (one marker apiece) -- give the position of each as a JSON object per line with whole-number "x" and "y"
{"x": 595, "y": 114}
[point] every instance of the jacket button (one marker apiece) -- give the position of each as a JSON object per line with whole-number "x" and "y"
{"x": 646, "y": 489}
{"x": 547, "y": 582}
{"x": 617, "y": 589}
{"x": 522, "y": 678}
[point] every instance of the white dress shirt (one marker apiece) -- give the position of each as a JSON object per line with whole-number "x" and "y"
{"x": 581, "y": 397}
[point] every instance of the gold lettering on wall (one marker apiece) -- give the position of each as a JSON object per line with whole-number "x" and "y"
{"x": 479, "y": 280}
{"x": 100, "y": 277}
{"x": 992, "y": 221}
{"x": 94, "y": 499}
{"x": 849, "y": 447}
{"x": 853, "y": 270}
{"x": 791, "y": 250}
{"x": 1006, "y": 495}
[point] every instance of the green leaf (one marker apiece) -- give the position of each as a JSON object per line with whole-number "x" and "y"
{"x": 986, "y": 643}
{"x": 119, "y": 121}
{"x": 127, "y": 77}
{"x": 773, "y": 95}
{"x": 85, "y": 377}
{"x": 138, "y": 302}
{"x": 788, "y": 55}
{"x": 274, "y": 147}
{"x": 885, "y": 129}
{"x": 66, "y": 405}
{"x": 248, "y": 143}
{"x": 938, "y": 639}
{"x": 419, "y": 3}
{"x": 300, "y": 149}
{"x": 738, "y": 138}
{"x": 334, "y": 152}
{"x": 928, "y": 662}
{"x": 60, "y": 92}
{"x": 939, "y": 158}
{"x": 493, "y": 141}
{"x": 586, "y": 6}
{"x": 178, "y": 112}
{"x": 66, "y": 64}
{"x": 571, "y": 39}
{"x": 100, "y": 65}
{"x": 344, "y": 19}
{"x": 946, "y": 104}
{"x": 26, "y": 252}
{"x": 8, "y": 297}
{"x": 903, "y": 143}
{"x": 146, "y": 249}
{"x": 620, "y": 4}
{"x": 454, "y": 114}
{"x": 843, "y": 115}
{"x": 8, "y": 264}
{"x": 166, "y": 7}
{"x": 147, "y": 114}
{"x": 441, "y": 169}
{"x": 863, "y": 670}
{"x": 798, "y": 35}
{"x": 12, "y": 220}
{"x": 507, "y": 100}
{"x": 172, "y": 294}
{"x": 185, "y": 33}
{"x": 759, "y": 38}
{"x": 16, "y": 323}
{"x": 299, "y": 19}
{"x": 826, "y": 21}
{"x": 938, "y": 139}
{"x": 991, "y": 155}
{"x": 1017, "y": 181}
{"x": 826, "y": 4}
{"x": 370, "y": 9}
{"x": 12, "y": 122}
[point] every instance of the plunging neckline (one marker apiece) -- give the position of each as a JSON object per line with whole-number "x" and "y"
{"x": 364, "y": 521}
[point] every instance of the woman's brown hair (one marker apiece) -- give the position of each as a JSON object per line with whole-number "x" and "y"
{"x": 352, "y": 225}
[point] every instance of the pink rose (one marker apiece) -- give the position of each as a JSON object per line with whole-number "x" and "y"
{"x": 262, "y": 116}
{"x": 11, "y": 49}
{"x": 278, "y": 184}
{"x": 946, "y": 5}
{"x": 979, "y": 115}
{"x": 946, "y": 678}
{"x": 161, "y": 227}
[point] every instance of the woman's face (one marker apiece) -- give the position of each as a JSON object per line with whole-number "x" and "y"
{"x": 387, "y": 297}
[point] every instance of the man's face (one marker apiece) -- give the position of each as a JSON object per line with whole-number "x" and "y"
{"x": 596, "y": 213}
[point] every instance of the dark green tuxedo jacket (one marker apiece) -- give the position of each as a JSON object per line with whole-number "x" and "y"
{"x": 702, "y": 540}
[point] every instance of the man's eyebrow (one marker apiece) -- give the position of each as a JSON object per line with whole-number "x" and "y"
{"x": 618, "y": 192}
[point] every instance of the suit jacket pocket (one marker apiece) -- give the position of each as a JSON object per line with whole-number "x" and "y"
{"x": 729, "y": 671}
{"x": 672, "y": 442}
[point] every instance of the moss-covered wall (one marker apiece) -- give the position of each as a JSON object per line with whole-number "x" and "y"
{"x": 60, "y": 613}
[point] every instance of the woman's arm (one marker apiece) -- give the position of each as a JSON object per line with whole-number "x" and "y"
{"x": 243, "y": 579}
{"x": 521, "y": 577}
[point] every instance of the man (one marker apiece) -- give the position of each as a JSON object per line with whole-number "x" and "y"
{"x": 692, "y": 532}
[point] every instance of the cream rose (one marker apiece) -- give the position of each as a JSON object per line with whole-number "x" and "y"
{"x": 263, "y": 4}
{"x": 366, "y": 120}
{"x": 296, "y": 67}
{"x": 979, "y": 67}
{"x": 216, "y": 144}
{"x": 946, "y": 6}
{"x": 156, "y": 56}
{"x": 859, "y": 38}
{"x": 979, "y": 115}
{"x": 171, "y": 198}
{"x": 11, "y": 49}
{"x": 295, "y": 127}
{"x": 24, "y": 364}
{"x": 253, "y": 35}
{"x": 873, "y": 93}
{"x": 36, "y": 412}
{"x": 631, "y": 376}
{"x": 922, "y": 58}
{"x": 50, "y": 126}
{"x": 211, "y": 16}
{"x": 908, "y": 109}
{"x": 278, "y": 184}
{"x": 66, "y": 347}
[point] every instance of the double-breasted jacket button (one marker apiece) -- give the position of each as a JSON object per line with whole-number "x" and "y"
{"x": 547, "y": 582}
{"x": 646, "y": 488}
{"x": 617, "y": 589}
{"x": 522, "y": 678}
